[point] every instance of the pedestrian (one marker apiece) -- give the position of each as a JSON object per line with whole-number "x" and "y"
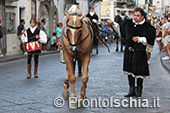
{"x": 43, "y": 28}
{"x": 115, "y": 28}
{"x": 33, "y": 34}
{"x": 103, "y": 34}
{"x": 58, "y": 30}
{"x": 168, "y": 45}
{"x": 20, "y": 31}
{"x": 165, "y": 36}
{"x": 121, "y": 20}
{"x": 159, "y": 36}
{"x": 1, "y": 35}
{"x": 55, "y": 44}
{"x": 139, "y": 34}
{"x": 21, "y": 28}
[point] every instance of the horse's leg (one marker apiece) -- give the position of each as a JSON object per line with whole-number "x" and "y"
{"x": 85, "y": 62}
{"x": 72, "y": 78}
{"x": 66, "y": 85}
{"x": 117, "y": 45}
{"x": 97, "y": 44}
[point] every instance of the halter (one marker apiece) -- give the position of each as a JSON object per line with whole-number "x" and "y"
{"x": 73, "y": 26}
{"x": 79, "y": 41}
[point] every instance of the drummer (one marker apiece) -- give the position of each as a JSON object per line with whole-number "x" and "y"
{"x": 30, "y": 35}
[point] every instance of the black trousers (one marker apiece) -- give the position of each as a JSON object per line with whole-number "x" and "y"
{"x": 131, "y": 80}
{"x": 36, "y": 57}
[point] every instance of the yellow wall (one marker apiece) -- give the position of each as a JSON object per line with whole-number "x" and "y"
{"x": 104, "y": 7}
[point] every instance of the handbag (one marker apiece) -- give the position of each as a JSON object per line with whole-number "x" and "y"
{"x": 33, "y": 47}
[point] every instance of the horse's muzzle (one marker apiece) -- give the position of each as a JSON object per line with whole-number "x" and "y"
{"x": 73, "y": 49}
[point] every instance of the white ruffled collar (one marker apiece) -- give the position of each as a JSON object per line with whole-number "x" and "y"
{"x": 91, "y": 13}
{"x": 139, "y": 23}
{"x": 32, "y": 29}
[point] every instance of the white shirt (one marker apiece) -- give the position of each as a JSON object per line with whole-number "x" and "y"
{"x": 42, "y": 35}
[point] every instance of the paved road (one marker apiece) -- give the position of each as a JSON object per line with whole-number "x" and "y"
{"x": 106, "y": 79}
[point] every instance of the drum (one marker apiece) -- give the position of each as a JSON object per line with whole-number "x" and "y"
{"x": 33, "y": 47}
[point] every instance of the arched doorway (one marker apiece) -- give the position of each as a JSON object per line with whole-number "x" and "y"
{"x": 44, "y": 14}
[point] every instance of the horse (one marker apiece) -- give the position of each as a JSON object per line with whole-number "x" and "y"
{"x": 77, "y": 41}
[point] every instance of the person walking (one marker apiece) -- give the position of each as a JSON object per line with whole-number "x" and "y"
{"x": 43, "y": 28}
{"x": 1, "y": 35}
{"x": 139, "y": 34}
{"x": 165, "y": 36}
{"x": 159, "y": 36}
{"x": 103, "y": 34}
{"x": 33, "y": 34}
{"x": 20, "y": 31}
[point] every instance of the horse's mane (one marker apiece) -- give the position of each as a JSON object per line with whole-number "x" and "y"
{"x": 72, "y": 9}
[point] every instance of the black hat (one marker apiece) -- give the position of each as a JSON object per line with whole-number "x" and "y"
{"x": 33, "y": 19}
{"x": 91, "y": 7}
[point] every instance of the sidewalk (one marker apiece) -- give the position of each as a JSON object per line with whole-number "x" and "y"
{"x": 165, "y": 64}
{"x": 17, "y": 57}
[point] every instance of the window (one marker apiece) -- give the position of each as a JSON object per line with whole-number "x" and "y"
{"x": 150, "y": 1}
{"x": 10, "y": 22}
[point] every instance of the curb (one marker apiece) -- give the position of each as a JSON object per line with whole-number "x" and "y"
{"x": 18, "y": 57}
{"x": 165, "y": 65}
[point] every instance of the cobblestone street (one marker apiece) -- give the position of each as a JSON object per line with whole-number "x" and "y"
{"x": 106, "y": 79}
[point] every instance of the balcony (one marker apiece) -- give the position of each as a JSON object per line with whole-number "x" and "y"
{"x": 122, "y": 2}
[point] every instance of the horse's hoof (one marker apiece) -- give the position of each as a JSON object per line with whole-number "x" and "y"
{"x": 65, "y": 96}
{"x": 73, "y": 106}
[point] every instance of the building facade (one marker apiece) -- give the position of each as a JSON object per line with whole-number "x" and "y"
{"x": 25, "y": 9}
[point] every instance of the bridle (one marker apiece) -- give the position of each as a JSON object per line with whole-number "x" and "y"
{"x": 79, "y": 41}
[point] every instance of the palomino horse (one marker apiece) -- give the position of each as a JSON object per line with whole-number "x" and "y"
{"x": 77, "y": 41}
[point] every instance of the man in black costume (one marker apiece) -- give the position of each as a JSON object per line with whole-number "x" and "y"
{"x": 139, "y": 34}
{"x": 121, "y": 20}
{"x": 94, "y": 19}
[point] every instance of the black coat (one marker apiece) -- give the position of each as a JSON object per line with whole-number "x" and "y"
{"x": 92, "y": 17}
{"x": 135, "y": 56}
{"x": 95, "y": 27}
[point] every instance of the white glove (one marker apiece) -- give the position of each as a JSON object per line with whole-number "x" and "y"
{"x": 142, "y": 40}
{"x": 94, "y": 20}
{"x": 25, "y": 53}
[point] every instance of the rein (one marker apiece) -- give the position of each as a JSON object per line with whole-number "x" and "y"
{"x": 79, "y": 41}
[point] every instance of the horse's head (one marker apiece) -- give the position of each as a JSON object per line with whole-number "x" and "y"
{"x": 74, "y": 26}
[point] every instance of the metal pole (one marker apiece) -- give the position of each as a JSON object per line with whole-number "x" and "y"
{"x": 163, "y": 8}
{"x": 88, "y": 5}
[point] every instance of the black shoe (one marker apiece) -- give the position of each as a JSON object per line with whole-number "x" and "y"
{"x": 121, "y": 50}
{"x": 117, "y": 50}
{"x": 131, "y": 92}
{"x": 139, "y": 91}
{"x": 80, "y": 75}
{"x": 97, "y": 52}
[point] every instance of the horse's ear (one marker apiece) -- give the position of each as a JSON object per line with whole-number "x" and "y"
{"x": 83, "y": 16}
{"x": 67, "y": 15}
